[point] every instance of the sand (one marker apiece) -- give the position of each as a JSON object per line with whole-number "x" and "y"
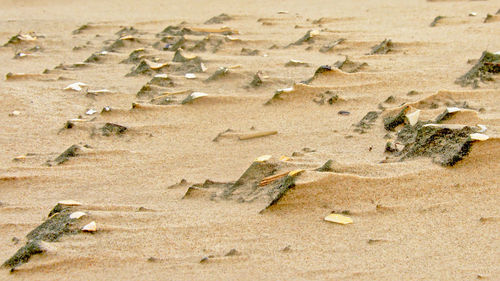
{"x": 412, "y": 219}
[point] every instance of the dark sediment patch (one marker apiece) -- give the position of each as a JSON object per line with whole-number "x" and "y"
{"x": 113, "y": 129}
{"x": 383, "y": 48}
{"x": 366, "y": 122}
{"x": 436, "y": 20}
{"x": 219, "y": 19}
{"x": 135, "y": 56}
{"x": 483, "y": 70}
{"x": 72, "y": 151}
{"x": 391, "y": 122}
{"x": 349, "y": 66}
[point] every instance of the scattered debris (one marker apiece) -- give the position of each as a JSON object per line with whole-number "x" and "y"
{"x": 111, "y": 128}
{"x": 329, "y": 96}
{"x": 20, "y": 38}
{"x": 483, "y": 70}
{"x": 328, "y": 47}
{"x": 383, "y": 48}
{"x": 340, "y": 219}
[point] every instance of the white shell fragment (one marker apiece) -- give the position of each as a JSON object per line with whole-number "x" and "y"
{"x": 91, "y": 227}
{"x": 482, "y": 127}
{"x": 15, "y": 113}
{"x": 263, "y": 158}
{"x": 69, "y": 203}
{"x": 101, "y": 91}
{"x": 90, "y": 111}
{"x": 472, "y": 14}
{"x": 479, "y": 137}
{"x": 77, "y": 215}
{"x": 193, "y": 96}
{"x": 203, "y": 67}
{"x": 75, "y": 86}
{"x": 286, "y": 90}
{"x": 190, "y": 76}
{"x": 452, "y": 109}
{"x": 413, "y": 117}
{"x": 155, "y": 65}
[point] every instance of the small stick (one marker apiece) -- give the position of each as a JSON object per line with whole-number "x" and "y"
{"x": 270, "y": 179}
{"x": 257, "y": 135}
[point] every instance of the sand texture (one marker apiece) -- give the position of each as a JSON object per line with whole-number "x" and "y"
{"x": 208, "y": 140}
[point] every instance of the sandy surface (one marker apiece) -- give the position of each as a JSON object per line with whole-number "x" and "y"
{"x": 413, "y": 219}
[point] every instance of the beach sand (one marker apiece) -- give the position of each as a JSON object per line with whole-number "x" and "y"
{"x": 412, "y": 219}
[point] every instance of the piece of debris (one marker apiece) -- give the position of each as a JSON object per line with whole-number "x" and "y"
{"x": 307, "y": 38}
{"x": 193, "y": 96}
{"x": 472, "y": 14}
{"x": 179, "y": 57}
{"x": 162, "y": 80}
{"x": 447, "y": 114}
{"x": 340, "y": 219}
{"x": 75, "y": 86}
{"x": 111, "y": 128}
{"x": 190, "y": 76}
{"x": 322, "y": 69}
{"x": 147, "y": 91}
{"x": 328, "y": 47}
{"x": 478, "y": 137}
{"x": 483, "y": 70}
{"x": 219, "y": 73}
{"x": 219, "y": 19}
{"x": 436, "y": 20}
{"x": 249, "y": 52}
{"x": 391, "y": 122}
{"x": 81, "y": 29}
{"x": 20, "y": 38}
{"x": 77, "y": 215}
{"x": 366, "y": 122}
{"x": 294, "y": 63}
{"x": 147, "y": 67}
{"x": 257, "y": 135}
{"x": 96, "y": 57}
{"x": 343, "y": 112}
{"x": 329, "y": 96}
{"x": 91, "y": 111}
{"x": 383, "y": 48}
{"x": 257, "y": 80}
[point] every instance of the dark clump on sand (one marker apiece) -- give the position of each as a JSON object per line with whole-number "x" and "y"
{"x": 72, "y": 151}
{"x": 383, "y": 48}
{"x": 58, "y": 224}
{"x": 483, "y": 70}
{"x": 445, "y": 145}
{"x": 322, "y": 69}
{"x": 366, "y": 122}
{"x": 219, "y": 19}
{"x": 349, "y": 66}
{"x": 328, "y": 47}
{"x": 113, "y": 129}
{"x": 391, "y": 122}
{"x": 436, "y": 20}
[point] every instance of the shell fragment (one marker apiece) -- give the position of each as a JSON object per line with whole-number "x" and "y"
{"x": 413, "y": 117}
{"x": 190, "y": 76}
{"x": 77, "y": 215}
{"x": 263, "y": 158}
{"x": 91, "y": 227}
{"x": 478, "y": 137}
{"x": 69, "y": 203}
{"x": 75, "y": 86}
{"x": 340, "y": 219}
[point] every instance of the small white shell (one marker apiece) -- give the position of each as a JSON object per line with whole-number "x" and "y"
{"x": 91, "y": 227}
{"x": 162, "y": 75}
{"x": 15, "y": 113}
{"x": 90, "y": 111}
{"x": 69, "y": 203}
{"x": 190, "y": 76}
{"x": 479, "y": 137}
{"x": 482, "y": 127}
{"x": 472, "y": 14}
{"x": 413, "y": 117}
{"x": 77, "y": 215}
